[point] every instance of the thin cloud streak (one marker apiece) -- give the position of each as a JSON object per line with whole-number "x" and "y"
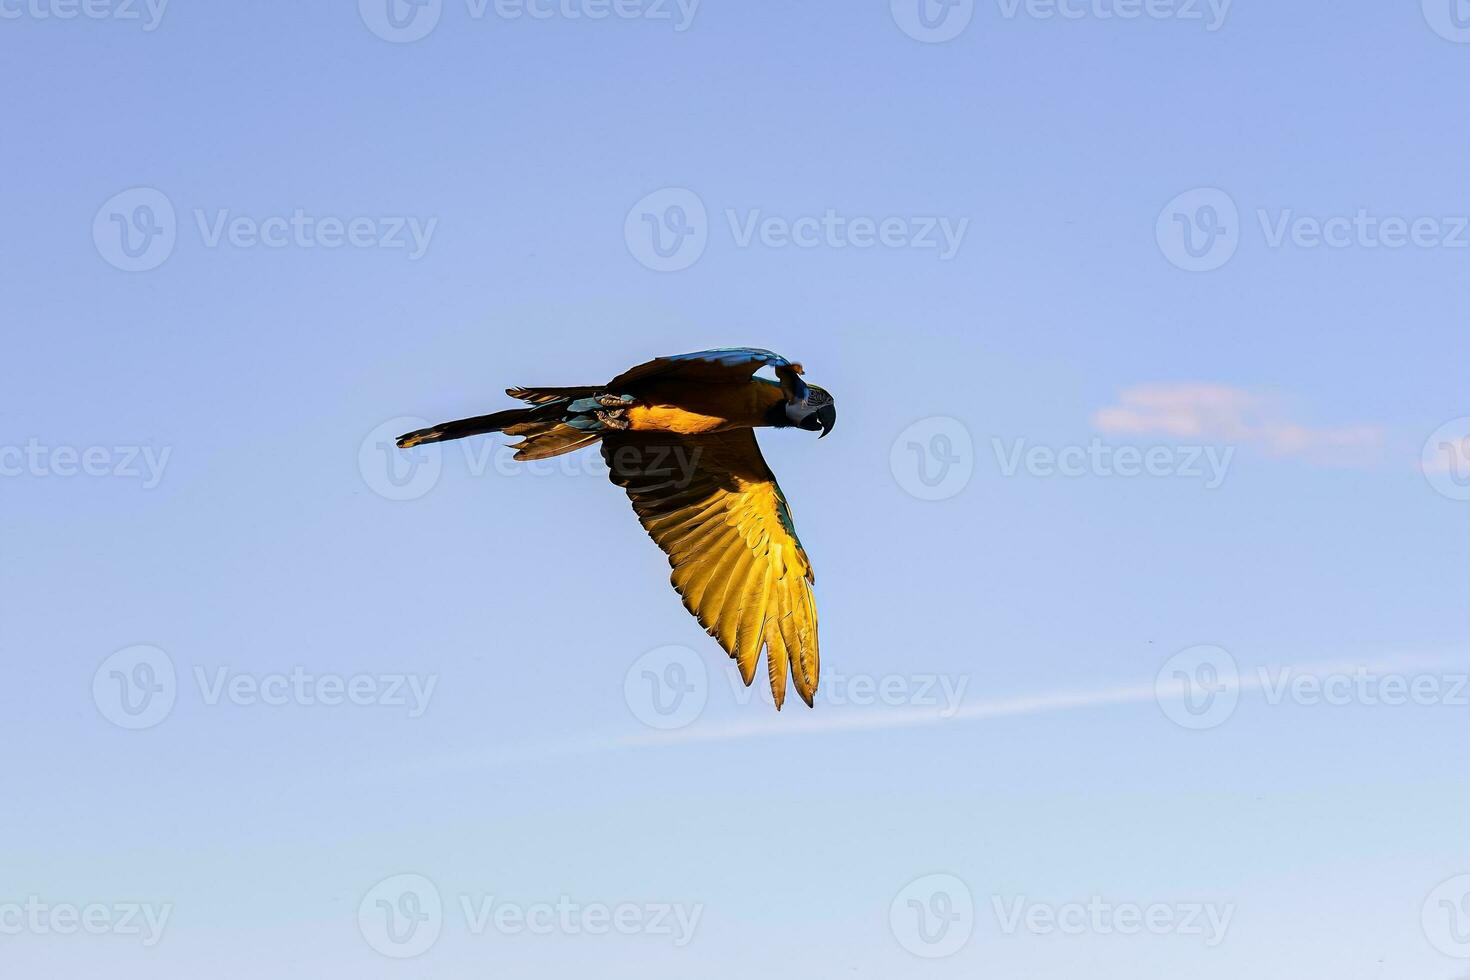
{"x": 1012, "y": 707}
{"x": 1235, "y": 416}
{"x": 911, "y": 717}
{"x": 827, "y": 723}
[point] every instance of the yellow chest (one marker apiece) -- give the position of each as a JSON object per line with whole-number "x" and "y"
{"x": 693, "y": 409}
{"x": 672, "y": 418}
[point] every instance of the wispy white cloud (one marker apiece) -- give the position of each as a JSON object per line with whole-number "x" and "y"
{"x": 1221, "y": 413}
{"x": 802, "y": 724}
{"x": 909, "y": 717}
{"x": 1046, "y": 702}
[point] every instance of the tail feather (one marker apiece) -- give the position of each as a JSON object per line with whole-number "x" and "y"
{"x": 543, "y": 440}
{"x": 541, "y": 396}
{"x": 461, "y": 428}
{"x": 552, "y": 427}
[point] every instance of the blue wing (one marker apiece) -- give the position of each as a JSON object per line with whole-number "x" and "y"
{"x": 723, "y": 365}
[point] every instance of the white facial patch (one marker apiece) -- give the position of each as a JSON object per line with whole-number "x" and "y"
{"x": 796, "y": 411}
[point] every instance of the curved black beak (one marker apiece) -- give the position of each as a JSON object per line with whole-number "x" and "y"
{"x": 827, "y": 415}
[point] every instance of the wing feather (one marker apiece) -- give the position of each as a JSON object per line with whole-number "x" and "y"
{"x": 708, "y": 592}
{"x": 721, "y": 364}
{"x": 725, "y": 608}
{"x": 735, "y": 557}
{"x": 725, "y": 365}
{"x": 751, "y": 630}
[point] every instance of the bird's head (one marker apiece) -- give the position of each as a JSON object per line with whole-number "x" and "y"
{"x": 818, "y": 413}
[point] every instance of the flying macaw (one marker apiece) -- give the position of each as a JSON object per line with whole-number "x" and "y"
{"x": 678, "y": 435}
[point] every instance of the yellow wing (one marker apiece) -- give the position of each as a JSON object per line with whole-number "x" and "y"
{"x": 712, "y": 504}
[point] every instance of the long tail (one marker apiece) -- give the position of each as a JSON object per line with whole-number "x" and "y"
{"x": 459, "y": 429}
{"x": 562, "y": 419}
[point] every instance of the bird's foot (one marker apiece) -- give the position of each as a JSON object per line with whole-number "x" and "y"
{"x": 613, "y": 420}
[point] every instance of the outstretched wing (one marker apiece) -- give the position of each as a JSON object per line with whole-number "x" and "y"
{"x": 712, "y": 504}
{"x": 725, "y": 364}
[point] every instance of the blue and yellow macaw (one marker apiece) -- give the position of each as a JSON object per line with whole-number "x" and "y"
{"x": 678, "y": 435}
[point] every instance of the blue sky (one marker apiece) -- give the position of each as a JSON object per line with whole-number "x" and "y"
{"x": 1139, "y": 542}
